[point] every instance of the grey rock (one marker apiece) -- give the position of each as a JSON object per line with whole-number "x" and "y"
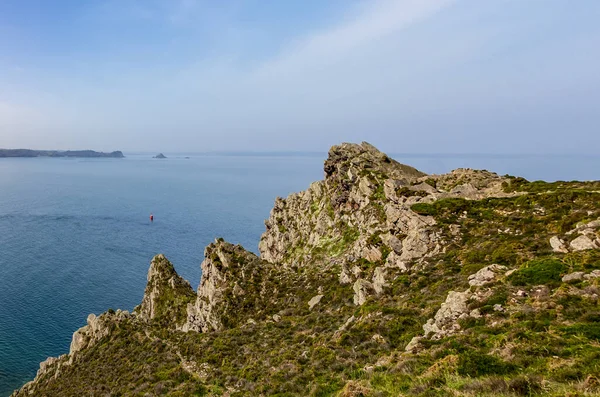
{"x": 583, "y": 243}
{"x": 414, "y": 345}
{"x": 423, "y": 187}
{"x": 487, "y": 275}
{"x": 576, "y": 276}
{"x": 314, "y": 301}
{"x": 362, "y": 290}
{"x": 393, "y": 242}
{"x": 371, "y": 254}
{"x": 88, "y": 335}
{"x": 393, "y": 260}
{"x": 344, "y": 277}
{"x": 163, "y": 281}
{"x": 593, "y": 274}
{"x": 445, "y": 322}
{"x": 558, "y": 245}
{"x": 379, "y": 281}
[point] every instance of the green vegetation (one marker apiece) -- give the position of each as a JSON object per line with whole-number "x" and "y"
{"x": 539, "y": 271}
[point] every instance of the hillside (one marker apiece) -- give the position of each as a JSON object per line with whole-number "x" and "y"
{"x": 379, "y": 280}
{"x": 58, "y": 153}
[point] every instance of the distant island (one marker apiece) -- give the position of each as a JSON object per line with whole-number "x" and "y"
{"x": 160, "y": 156}
{"x": 58, "y": 153}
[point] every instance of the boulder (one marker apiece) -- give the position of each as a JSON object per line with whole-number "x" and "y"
{"x": 486, "y": 275}
{"x": 576, "y": 276}
{"x": 414, "y": 345}
{"x": 583, "y": 242}
{"x": 314, "y": 301}
{"x": 558, "y": 245}
{"x": 445, "y": 320}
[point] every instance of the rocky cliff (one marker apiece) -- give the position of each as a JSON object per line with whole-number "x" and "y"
{"x": 379, "y": 280}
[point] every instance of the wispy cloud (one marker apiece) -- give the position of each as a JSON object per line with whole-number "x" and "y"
{"x": 439, "y": 71}
{"x": 361, "y": 26}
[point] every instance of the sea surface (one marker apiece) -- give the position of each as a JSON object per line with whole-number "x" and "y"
{"x": 75, "y": 235}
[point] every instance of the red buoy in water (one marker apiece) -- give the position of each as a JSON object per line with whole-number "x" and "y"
{"x": 151, "y": 218}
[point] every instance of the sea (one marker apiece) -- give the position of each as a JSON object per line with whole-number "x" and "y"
{"x": 75, "y": 234}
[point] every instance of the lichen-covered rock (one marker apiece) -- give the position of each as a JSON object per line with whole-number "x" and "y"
{"x": 414, "y": 345}
{"x": 379, "y": 281}
{"x": 470, "y": 184}
{"x": 358, "y": 211}
{"x": 227, "y": 270}
{"x": 445, "y": 320}
{"x": 582, "y": 243}
{"x": 362, "y": 290}
{"x": 486, "y": 275}
{"x": 314, "y": 301}
{"x": 558, "y": 245}
{"x": 576, "y": 276}
{"x": 167, "y": 294}
{"x": 592, "y": 275}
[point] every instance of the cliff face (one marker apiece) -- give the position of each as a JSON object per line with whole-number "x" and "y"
{"x": 377, "y": 281}
{"x": 362, "y": 213}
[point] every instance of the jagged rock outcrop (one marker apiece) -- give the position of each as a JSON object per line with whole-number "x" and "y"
{"x": 469, "y": 184}
{"x": 232, "y": 278}
{"x": 456, "y": 307}
{"x": 96, "y": 329}
{"x": 588, "y": 238}
{"x": 445, "y": 321}
{"x": 362, "y": 212}
{"x": 167, "y": 294}
{"x": 351, "y": 216}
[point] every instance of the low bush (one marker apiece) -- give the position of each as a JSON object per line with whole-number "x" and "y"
{"x": 539, "y": 271}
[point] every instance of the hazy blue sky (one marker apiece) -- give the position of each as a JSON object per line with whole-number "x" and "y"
{"x": 502, "y": 76}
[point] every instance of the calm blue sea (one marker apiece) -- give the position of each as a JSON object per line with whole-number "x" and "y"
{"x": 75, "y": 236}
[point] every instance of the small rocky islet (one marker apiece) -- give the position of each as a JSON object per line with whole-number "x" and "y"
{"x": 379, "y": 280}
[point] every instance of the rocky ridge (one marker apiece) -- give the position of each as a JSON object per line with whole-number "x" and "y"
{"x": 379, "y": 280}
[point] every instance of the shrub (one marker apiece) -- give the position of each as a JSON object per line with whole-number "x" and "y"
{"x": 475, "y": 364}
{"x": 525, "y": 385}
{"x": 424, "y": 209}
{"x": 590, "y": 330}
{"x": 540, "y": 271}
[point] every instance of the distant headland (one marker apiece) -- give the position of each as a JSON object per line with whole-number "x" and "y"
{"x": 58, "y": 153}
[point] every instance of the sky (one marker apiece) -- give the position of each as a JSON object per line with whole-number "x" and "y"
{"x": 409, "y": 76}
